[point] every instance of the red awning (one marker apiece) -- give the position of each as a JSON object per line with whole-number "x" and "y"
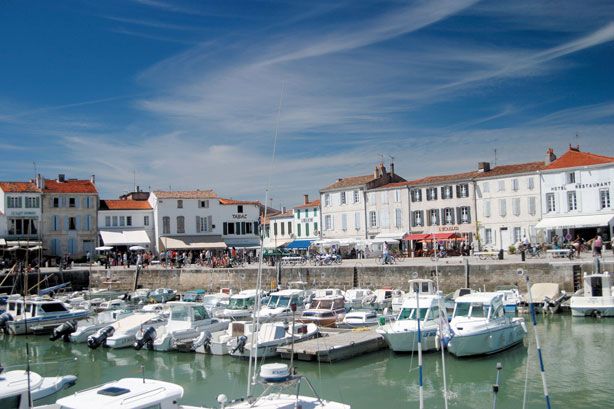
{"x": 416, "y": 236}
{"x": 445, "y": 236}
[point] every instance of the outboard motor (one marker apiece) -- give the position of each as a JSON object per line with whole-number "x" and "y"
{"x": 64, "y": 330}
{"x": 99, "y": 338}
{"x": 145, "y": 338}
{"x": 241, "y": 341}
{"x": 4, "y": 318}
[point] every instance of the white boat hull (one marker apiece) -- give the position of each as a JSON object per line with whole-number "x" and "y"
{"x": 592, "y": 306}
{"x": 42, "y": 325}
{"x": 488, "y": 340}
{"x": 407, "y": 341}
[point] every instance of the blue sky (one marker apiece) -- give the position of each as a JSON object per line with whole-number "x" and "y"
{"x": 186, "y": 93}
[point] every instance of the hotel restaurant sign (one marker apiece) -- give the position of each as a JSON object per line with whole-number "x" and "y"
{"x": 578, "y": 186}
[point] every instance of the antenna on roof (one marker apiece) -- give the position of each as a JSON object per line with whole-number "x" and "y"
{"x": 495, "y": 161}
{"x": 134, "y": 180}
{"x": 35, "y": 170}
{"x": 381, "y": 157}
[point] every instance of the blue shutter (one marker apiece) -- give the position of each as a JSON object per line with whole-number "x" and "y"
{"x": 78, "y": 222}
{"x": 65, "y": 223}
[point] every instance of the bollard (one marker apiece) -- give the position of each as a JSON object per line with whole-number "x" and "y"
{"x": 523, "y": 256}
{"x": 500, "y": 254}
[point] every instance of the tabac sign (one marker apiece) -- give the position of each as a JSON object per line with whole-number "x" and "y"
{"x": 239, "y": 216}
{"x": 579, "y": 186}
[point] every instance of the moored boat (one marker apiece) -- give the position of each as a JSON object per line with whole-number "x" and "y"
{"x": 596, "y": 298}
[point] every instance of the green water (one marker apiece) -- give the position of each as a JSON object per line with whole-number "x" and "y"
{"x": 578, "y": 355}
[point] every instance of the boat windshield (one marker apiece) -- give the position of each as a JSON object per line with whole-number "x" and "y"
{"x": 410, "y": 314}
{"x": 53, "y": 307}
{"x": 240, "y": 303}
{"x": 474, "y": 310}
{"x": 200, "y": 313}
{"x": 179, "y": 313}
{"x": 324, "y": 304}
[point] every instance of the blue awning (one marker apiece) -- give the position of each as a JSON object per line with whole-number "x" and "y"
{"x": 299, "y": 244}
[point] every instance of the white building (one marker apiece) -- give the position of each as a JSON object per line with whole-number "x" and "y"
{"x": 508, "y": 203}
{"x": 388, "y": 211}
{"x": 307, "y": 220}
{"x": 125, "y": 222}
{"x": 577, "y": 191}
{"x": 344, "y": 204}
{"x": 279, "y": 229}
{"x": 240, "y": 222}
{"x": 20, "y": 213}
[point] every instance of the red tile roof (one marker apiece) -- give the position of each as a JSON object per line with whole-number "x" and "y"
{"x": 124, "y": 205}
{"x": 190, "y": 194}
{"x": 503, "y": 170}
{"x": 19, "y": 187}
{"x": 313, "y": 203}
{"x": 350, "y": 181}
{"x": 434, "y": 180}
{"x": 574, "y": 158}
{"x": 281, "y": 215}
{"x": 238, "y": 202}
{"x": 69, "y": 186}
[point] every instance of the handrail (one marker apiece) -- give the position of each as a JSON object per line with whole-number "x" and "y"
{"x": 141, "y": 395}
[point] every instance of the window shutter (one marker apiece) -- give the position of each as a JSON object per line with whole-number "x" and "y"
{"x": 459, "y": 215}
{"x": 65, "y": 223}
{"x": 452, "y": 214}
{"x": 468, "y": 214}
{"x": 332, "y": 222}
{"x": 63, "y": 204}
{"x": 458, "y": 190}
{"x": 412, "y": 219}
{"x": 78, "y": 222}
{"x": 357, "y": 220}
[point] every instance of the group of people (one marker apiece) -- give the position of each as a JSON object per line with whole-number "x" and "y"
{"x": 579, "y": 244}
{"x": 127, "y": 259}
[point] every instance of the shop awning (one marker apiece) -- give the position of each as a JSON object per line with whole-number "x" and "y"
{"x": 124, "y": 238}
{"x": 299, "y": 244}
{"x": 192, "y": 242}
{"x": 23, "y": 243}
{"x": 577, "y": 222}
{"x": 416, "y": 236}
{"x": 242, "y": 243}
{"x": 445, "y": 236}
{"x": 390, "y": 236}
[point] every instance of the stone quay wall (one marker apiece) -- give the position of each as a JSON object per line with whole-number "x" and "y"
{"x": 451, "y": 277}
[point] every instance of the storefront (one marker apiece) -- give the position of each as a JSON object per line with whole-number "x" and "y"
{"x": 587, "y": 227}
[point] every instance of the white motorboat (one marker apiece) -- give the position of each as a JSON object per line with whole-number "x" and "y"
{"x": 423, "y": 286}
{"x": 270, "y": 336}
{"x": 79, "y": 331}
{"x": 14, "y": 387}
{"x": 325, "y": 311}
{"x": 217, "y": 342}
{"x": 37, "y": 315}
{"x": 480, "y": 326}
{"x": 122, "y": 333}
{"x": 511, "y": 297}
{"x": 240, "y": 306}
{"x": 184, "y": 330}
{"x": 402, "y": 334}
{"x": 215, "y": 303}
{"x": 127, "y": 393}
{"x": 327, "y": 292}
{"x": 278, "y": 305}
{"x": 597, "y": 297}
{"x": 111, "y": 305}
{"x": 161, "y": 295}
{"x": 359, "y": 319}
{"x": 359, "y": 297}
{"x": 139, "y": 296}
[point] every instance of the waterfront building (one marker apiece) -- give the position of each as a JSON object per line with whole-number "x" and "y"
{"x": 306, "y": 223}
{"x": 388, "y": 212}
{"x": 279, "y": 230}
{"x": 508, "y": 203}
{"x": 443, "y": 206}
{"x": 577, "y": 195}
{"x": 69, "y": 210}
{"x": 240, "y": 222}
{"x": 344, "y": 213}
{"x": 20, "y": 214}
{"x": 124, "y": 222}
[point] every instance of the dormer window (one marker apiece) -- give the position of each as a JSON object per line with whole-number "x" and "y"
{"x": 240, "y": 209}
{"x": 571, "y": 177}
{"x": 179, "y": 204}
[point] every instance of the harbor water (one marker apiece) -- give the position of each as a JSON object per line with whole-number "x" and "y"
{"x": 578, "y": 355}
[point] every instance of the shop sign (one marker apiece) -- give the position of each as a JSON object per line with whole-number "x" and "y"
{"x": 23, "y": 213}
{"x": 579, "y": 186}
{"x": 239, "y": 216}
{"x": 449, "y": 228}
{"x": 307, "y": 220}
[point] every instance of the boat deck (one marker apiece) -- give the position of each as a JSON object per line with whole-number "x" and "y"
{"x": 335, "y": 345}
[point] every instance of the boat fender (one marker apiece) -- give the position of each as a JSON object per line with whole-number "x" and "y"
{"x": 437, "y": 341}
{"x": 145, "y": 338}
{"x": 241, "y": 341}
{"x": 524, "y": 327}
{"x": 100, "y": 338}
{"x": 63, "y": 331}
{"x": 4, "y": 318}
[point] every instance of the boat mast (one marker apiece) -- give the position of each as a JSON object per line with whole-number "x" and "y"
{"x": 421, "y": 389}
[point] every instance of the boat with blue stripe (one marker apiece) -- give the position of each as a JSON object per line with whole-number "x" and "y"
{"x": 37, "y": 315}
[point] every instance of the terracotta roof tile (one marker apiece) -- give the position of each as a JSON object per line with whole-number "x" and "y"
{"x": 19, "y": 187}
{"x": 434, "y": 180}
{"x": 574, "y": 158}
{"x": 503, "y": 170}
{"x": 189, "y": 194}
{"x": 313, "y": 203}
{"x": 238, "y": 202}
{"x": 69, "y": 186}
{"x": 280, "y": 215}
{"x": 349, "y": 182}
{"x": 124, "y": 205}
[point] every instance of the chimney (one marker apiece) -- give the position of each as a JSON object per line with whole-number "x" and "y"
{"x": 93, "y": 179}
{"x": 550, "y": 156}
{"x": 305, "y": 199}
{"x": 376, "y": 173}
{"x": 283, "y": 209}
{"x": 574, "y": 148}
{"x": 61, "y": 178}
{"x": 40, "y": 182}
{"x": 392, "y": 169}
{"x": 483, "y": 166}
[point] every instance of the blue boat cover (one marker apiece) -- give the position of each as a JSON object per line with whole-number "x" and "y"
{"x": 299, "y": 244}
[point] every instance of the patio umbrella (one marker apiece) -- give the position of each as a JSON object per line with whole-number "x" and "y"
{"x": 35, "y": 248}
{"x": 103, "y": 248}
{"x": 136, "y": 248}
{"x": 13, "y": 248}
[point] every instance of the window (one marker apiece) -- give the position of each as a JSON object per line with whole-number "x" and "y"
{"x": 201, "y": 224}
{"x": 464, "y": 214}
{"x": 532, "y": 206}
{"x": 418, "y": 218}
{"x": 72, "y": 202}
{"x": 344, "y": 222}
{"x": 356, "y": 196}
{"x": 514, "y": 185}
{"x": 56, "y": 202}
{"x": 179, "y": 204}
{"x": 486, "y": 187}
{"x": 166, "y": 225}
{"x": 107, "y": 221}
{"x": 604, "y": 198}
{"x": 298, "y": 230}
{"x": 122, "y": 221}
{"x": 384, "y": 196}
{"x": 145, "y": 220}
{"x": 372, "y": 219}
{"x": 383, "y": 219}
{"x": 315, "y": 211}
{"x": 397, "y": 218}
{"x": 416, "y": 195}
{"x": 530, "y": 184}
{"x": 357, "y": 220}
{"x": 32, "y": 202}
{"x": 283, "y": 228}
{"x": 315, "y": 227}
{"x": 240, "y": 209}
{"x": 431, "y": 193}
{"x": 433, "y": 217}
{"x": 328, "y": 222}
{"x": 517, "y": 234}
{"x": 571, "y": 177}
{"x": 502, "y": 207}
{"x": 203, "y": 204}
{"x": 516, "y": 206}
{"x": 327, "y": 200}
{"x": 462, "y": 190}
{"x": 572, "y": 203}
{"x": 342, "y": 198}
{"x": 115, "y": 221}
{"x": 249, "y": 228}
{"x": 487, "y": 208}
{"x": 448, "y": 214}
{"x": 487, "y": 236}
{"x": 72, "y": 223}
{"x": 128, "y": 220}
{"x": 13, "y": 202}
{"x": 446, "y": 192}
{"x": 180, "y": 224}
{"x": 501, "y": 186}
{"x": 550, "y": 203}
{"x": 371, "y": 198}
{"x": 397, "y": 195}
{"x": 230, "y": 228}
